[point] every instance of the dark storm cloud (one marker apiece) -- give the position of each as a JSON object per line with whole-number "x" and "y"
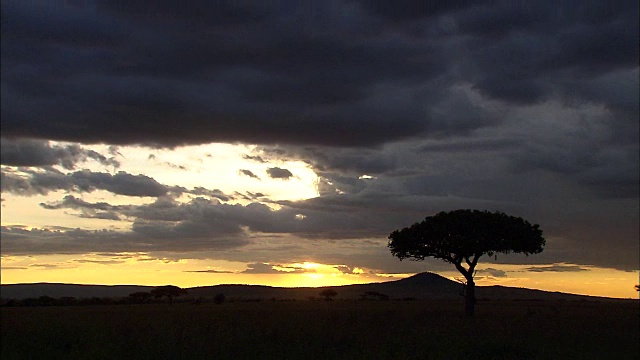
{"x": 279, "y": 173}
{"x": 334, "y": 73}
{"x": 205, "y": 224}
{"x": 270, "y": 78}
{"x": 192, "y": 226}
{"x": 21, "y": 241}
{"x": 38, "y": 153}
{"x": 100, "y": 210}
{"x": 71, "y": 202}
{"x": 201, "y": 216}
{"x": 121, "y": 183}
{"x": 347, "y": 161}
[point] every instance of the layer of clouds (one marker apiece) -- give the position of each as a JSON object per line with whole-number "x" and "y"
{"x": 37, "y": 153}
{"x": 263, "y": 268}
{"x": 28, "y": 182}
{"x": 402, "y": 109}
{"x": 371, "y": 208}
{"x": 43, "y": 182}
{"x": 177, "y": 238}
{"x": 342, "y": 73}
{"x": 557, "y": 268}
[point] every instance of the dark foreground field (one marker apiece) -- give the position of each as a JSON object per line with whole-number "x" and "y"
{"x": 325, "y": 330}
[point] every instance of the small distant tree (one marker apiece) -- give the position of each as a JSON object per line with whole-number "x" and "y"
{"x": 67, "y": 300}
{"x": 461, "y": 237}
{"x": 328, "y": 294}
{"x": 46, "y": 300}
{"x": 140, "y": 297}
{"x": 219, "y": 299}
{"x": 168, "y": 291}
{"x": 374, "y": 295}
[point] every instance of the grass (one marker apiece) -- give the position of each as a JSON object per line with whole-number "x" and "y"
{"x": 324, "y": 330}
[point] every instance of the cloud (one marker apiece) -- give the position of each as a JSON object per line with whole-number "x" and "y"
{"x": 494, "y": 272}
{"x": 350, "y": 270}
{"x": 260, "y": 268}
{"x": 255, "y": 195}
{"x": 265, "y": 268}
{"x": 254, "y": 158}
{"x": 71, "y": 202}
{"x": 528, "y": 110}
{"x": 37, "y": 153}
{"x": 121, "y": 183}
{"x": 278, "y": 173}
{"x": 211, "y": 271}
{"x": 20, "y": 241}
{"x": 47, "y": 266}
{"x": 353, "y": 74}
{"x": 100, "y": 262}
{"x": 215, "y": 193}
{"x": 248, "y": 173}
{"x": 557, "y": 268}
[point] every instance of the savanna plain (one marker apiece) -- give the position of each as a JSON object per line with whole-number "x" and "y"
{"x": 339, "y": 329}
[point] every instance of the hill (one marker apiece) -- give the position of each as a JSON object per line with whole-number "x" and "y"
{"x": 423, "y": 286}
{"x": 57, "y": 290}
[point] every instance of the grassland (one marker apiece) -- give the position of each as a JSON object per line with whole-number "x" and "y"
{"x": 325, "y": 330}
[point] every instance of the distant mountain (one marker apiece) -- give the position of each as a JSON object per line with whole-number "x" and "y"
{"x": 420, "y": 286}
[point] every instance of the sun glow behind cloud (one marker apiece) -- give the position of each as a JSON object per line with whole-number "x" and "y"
{"x": 218, "y": 166}
{"x": 212, "y": 166}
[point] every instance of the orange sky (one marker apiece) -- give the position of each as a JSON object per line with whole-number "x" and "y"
{"x": 63, "y": 269}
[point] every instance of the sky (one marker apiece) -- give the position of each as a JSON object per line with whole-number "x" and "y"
{"x": 281, "y": 142}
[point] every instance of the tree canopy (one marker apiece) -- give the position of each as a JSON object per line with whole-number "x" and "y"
{"x": 466, "y": 235}
{"x": 328, "y": 294}
{"x": 170, "y": 291}
{"x": 461, "y": 237}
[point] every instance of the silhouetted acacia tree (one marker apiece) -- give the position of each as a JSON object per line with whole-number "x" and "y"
{"x": 170, "y": 291}
{"x": 328, "y": 294}
{"x": 461, "y": 237}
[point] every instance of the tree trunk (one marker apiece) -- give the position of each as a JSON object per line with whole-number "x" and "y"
{"x": 470, "y": 298}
